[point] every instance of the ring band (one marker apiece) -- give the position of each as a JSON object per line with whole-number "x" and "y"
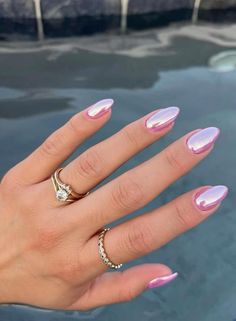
{"x": 64, "y": 192}
{"x": 102, "y": 251}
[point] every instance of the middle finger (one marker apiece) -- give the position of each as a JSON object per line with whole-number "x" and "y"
{"x": 138, "y": 186}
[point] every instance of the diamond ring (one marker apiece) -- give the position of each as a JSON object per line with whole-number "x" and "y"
{"x": 64, "y": 192}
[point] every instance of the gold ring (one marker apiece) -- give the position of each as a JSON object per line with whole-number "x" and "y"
{"x": 64, "y": 192}
{"x": 102, "y": 251}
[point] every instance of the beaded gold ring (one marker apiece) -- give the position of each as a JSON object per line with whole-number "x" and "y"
{"x": 102, "y": 251}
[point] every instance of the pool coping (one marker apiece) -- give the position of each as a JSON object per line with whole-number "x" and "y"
{"x": 39, "y": 19}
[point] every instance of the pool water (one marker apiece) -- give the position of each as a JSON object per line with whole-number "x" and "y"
{"x": 43, "y": 84}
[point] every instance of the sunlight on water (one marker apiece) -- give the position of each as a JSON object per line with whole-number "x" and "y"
{"x": 224, "y": 61}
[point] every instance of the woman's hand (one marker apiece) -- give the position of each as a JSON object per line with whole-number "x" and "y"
{"x": 49, "y": 249}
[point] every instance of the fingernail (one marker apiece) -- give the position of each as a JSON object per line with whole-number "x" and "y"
{"x": 161, "y": 280}
{"x": 162, "y": 118}
{"x": 203, "y": 140}
{"x": 211, "y": 197}
{"x": 100, "y": 108}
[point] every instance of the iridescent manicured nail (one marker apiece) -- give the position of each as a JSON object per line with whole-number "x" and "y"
{"x": 100, "y": 108}
{"x": 211, "y": 197}
{"x": 203, "y": 140}
{"x": 161, "y": 280}
{"x": 162, "y": 118}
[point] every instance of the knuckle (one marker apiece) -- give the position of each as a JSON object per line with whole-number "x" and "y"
{"x": 67, "y": 270}
{"x": 9, "y": 183}
{"x": 90, "y": 164}
{"x": 139, "y": 240}
{"x": 52, "y": 145}
{"x": 184, "y": 215}
{"x": 69, "y": 267}
{"x": 174, "y": 162}
{"x": 47, "y": 237}
{"x": 127, "y": 194}
{"x": 130, "y": 137}
{"x": 27, "y": 205}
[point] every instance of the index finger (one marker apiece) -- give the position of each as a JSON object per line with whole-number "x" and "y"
{"x": 62, "y": 143}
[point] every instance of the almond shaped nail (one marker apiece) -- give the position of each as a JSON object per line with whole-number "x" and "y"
{"x": 211, "y": 197}
{"x": 203, "y": 140}
{"x": 100, "y": 108}
{"x": 161, "y": 280}
{"x": 162, "y": 118}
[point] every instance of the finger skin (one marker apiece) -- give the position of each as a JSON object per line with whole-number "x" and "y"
{"x": 58, "y": 147}
{"x": 114, "y": 287}
{"x": 101, "y": 160}
{"x": 150, "y": 231}
{"x": 137, "y": 187}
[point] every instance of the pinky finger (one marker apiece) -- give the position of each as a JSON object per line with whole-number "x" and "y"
{"x": 114, "y": 287}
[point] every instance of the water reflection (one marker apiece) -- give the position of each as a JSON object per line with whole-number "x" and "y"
{"x": 48, "y": 75}
{"x": 224, "y": 61}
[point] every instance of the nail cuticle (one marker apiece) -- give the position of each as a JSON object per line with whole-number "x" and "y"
{"x": 100, "y": 108}
{"x": 162, "y": 118}
{"x": 209, "y": 198}
{"x": 202, "y": 140}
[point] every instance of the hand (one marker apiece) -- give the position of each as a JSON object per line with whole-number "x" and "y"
{"x": 49, "y": 249}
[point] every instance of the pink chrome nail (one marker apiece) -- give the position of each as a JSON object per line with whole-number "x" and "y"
{"x": 161, "y": 280}
{"x": 100, "y": 108}
{"x": 162, "y": 118}
{"x": 203, "y": 140}
{"x": 211, "y": 197}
